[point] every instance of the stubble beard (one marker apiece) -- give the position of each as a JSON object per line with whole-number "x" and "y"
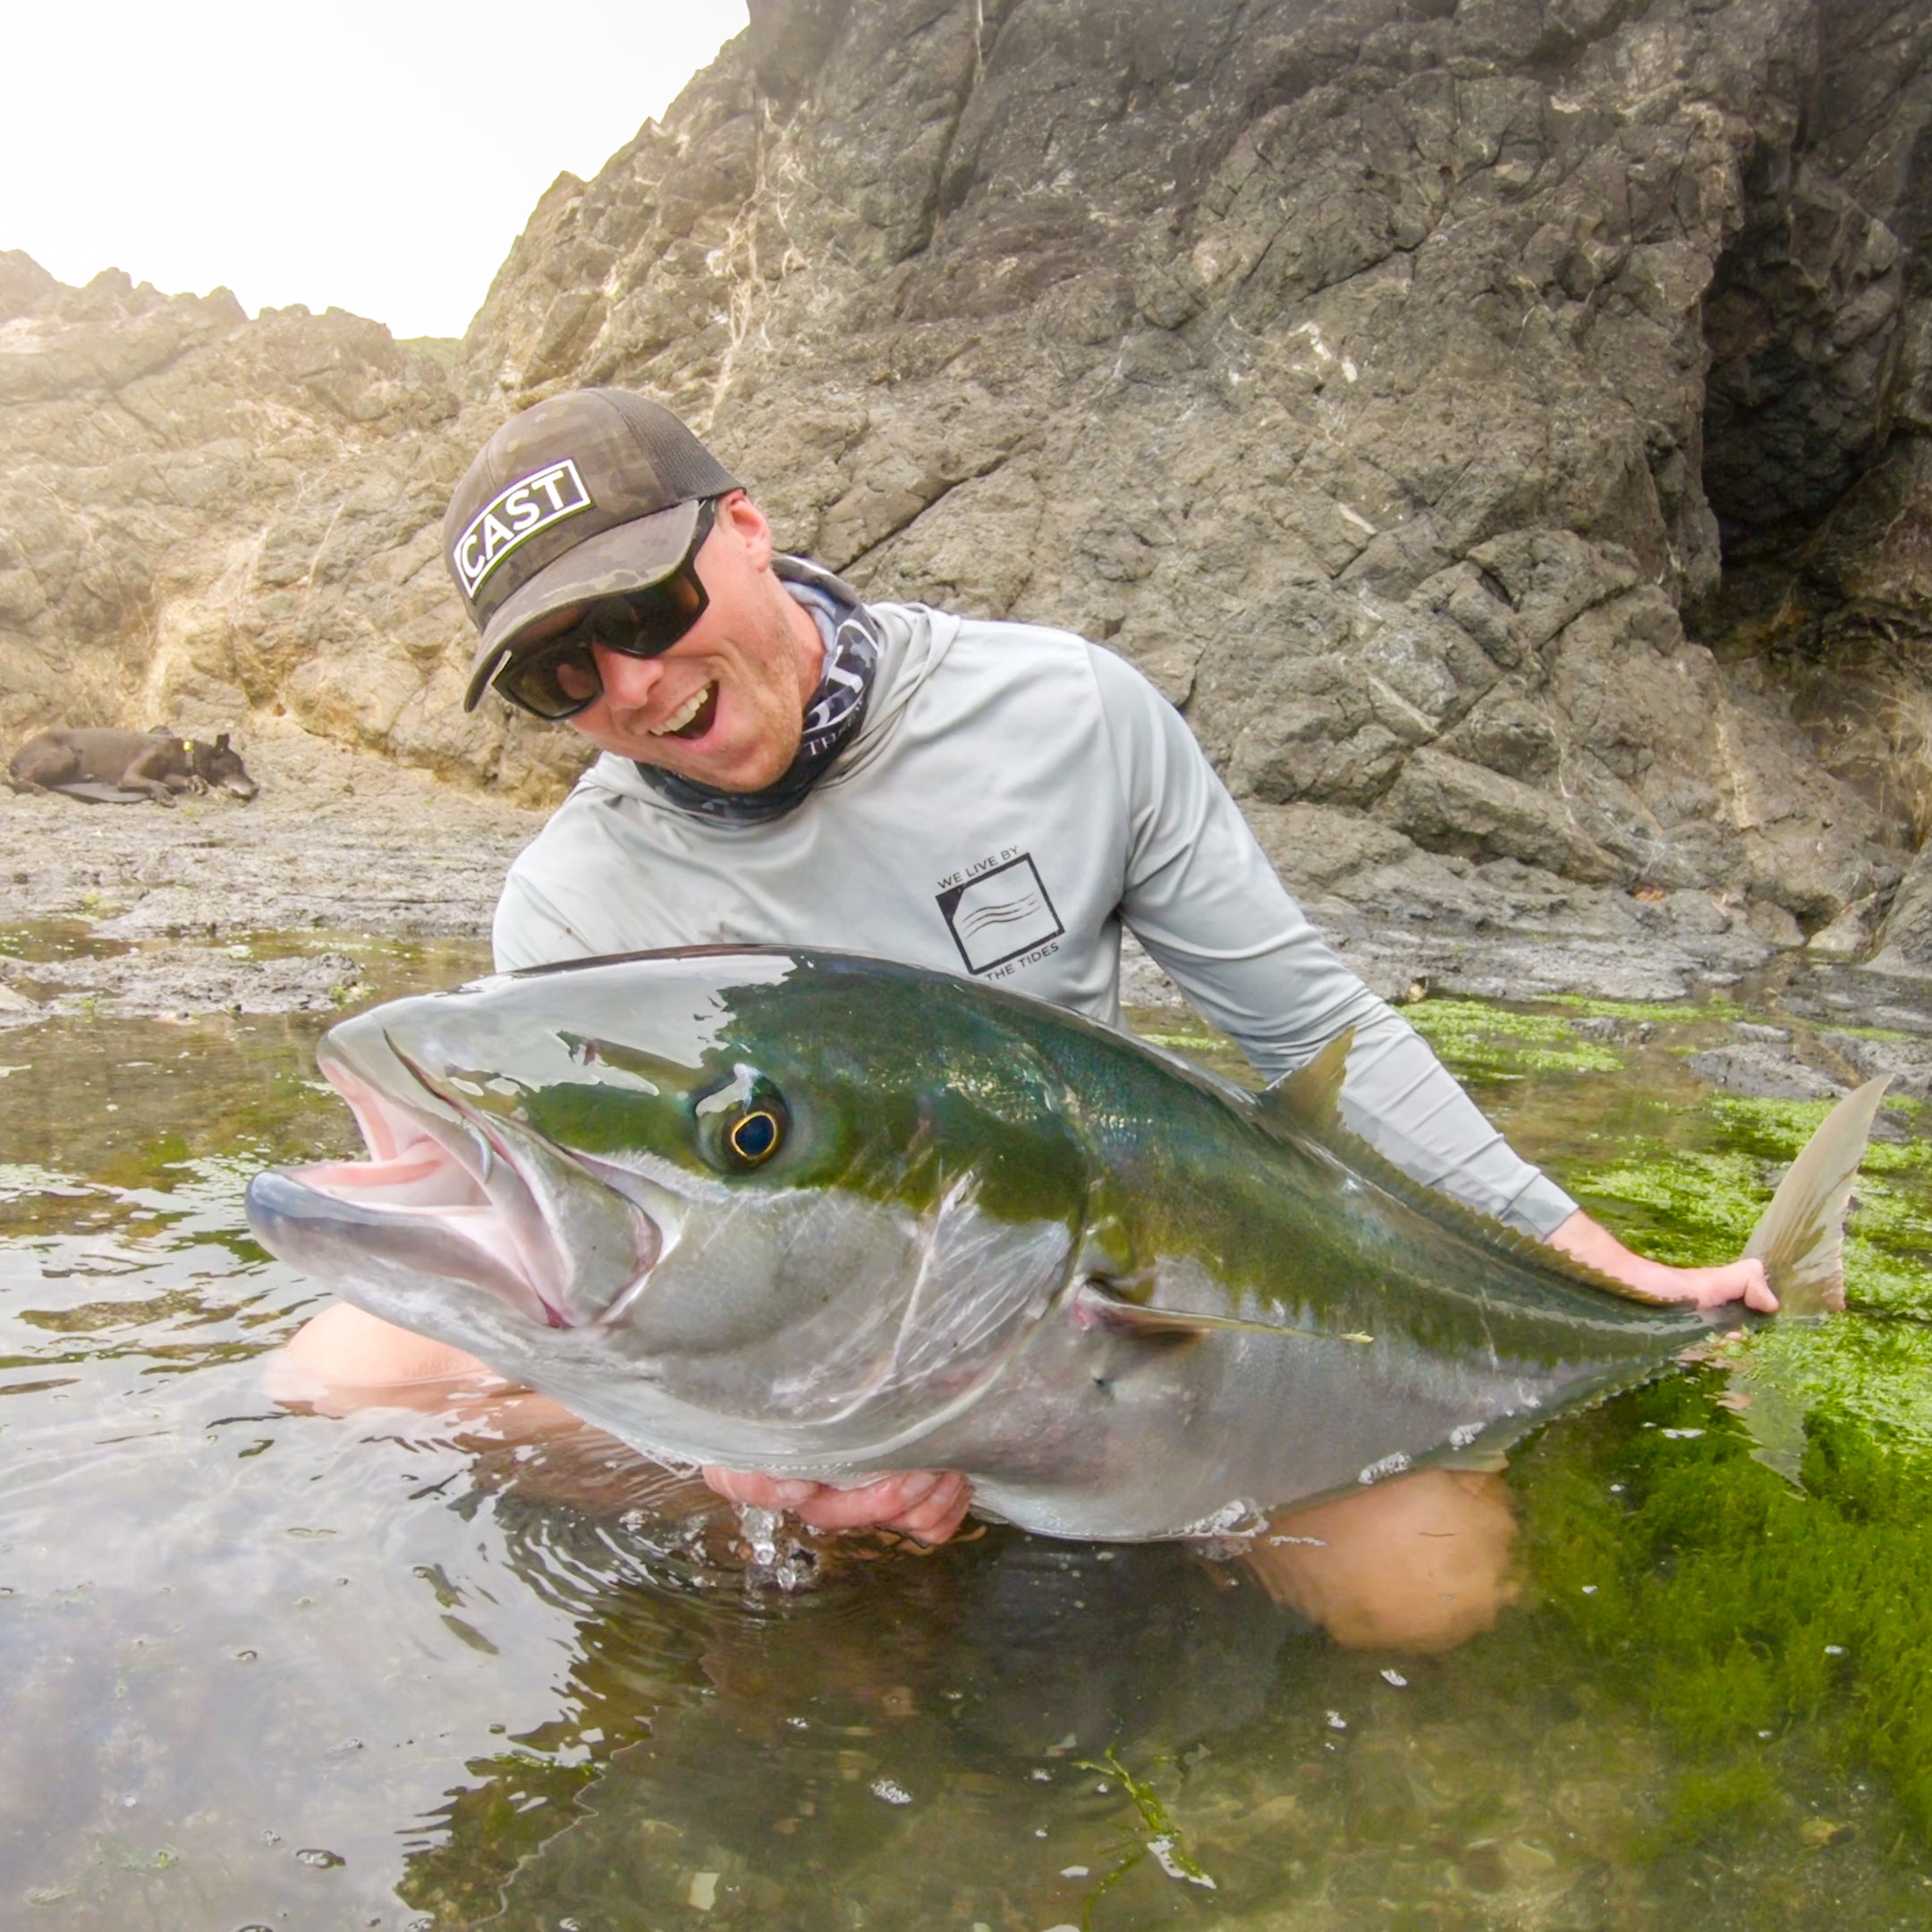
{"x": 781, "y": 708}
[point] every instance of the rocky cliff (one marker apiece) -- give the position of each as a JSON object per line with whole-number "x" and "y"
{"x": 1393, "y": 381}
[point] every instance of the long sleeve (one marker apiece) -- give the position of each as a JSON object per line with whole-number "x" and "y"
{"x": 1202, "y": 898}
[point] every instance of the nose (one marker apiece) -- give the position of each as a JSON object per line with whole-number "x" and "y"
{"x": 628, "y": 682}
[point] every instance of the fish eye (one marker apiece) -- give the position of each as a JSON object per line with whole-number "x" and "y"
{"x": 754, "y": 1137}
{"x": 743, "y": 1122}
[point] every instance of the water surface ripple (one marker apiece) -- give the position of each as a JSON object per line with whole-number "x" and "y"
{"x": 270, "y": 1668}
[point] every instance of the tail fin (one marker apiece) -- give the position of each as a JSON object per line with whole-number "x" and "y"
{"x": 1800, "y": 1238}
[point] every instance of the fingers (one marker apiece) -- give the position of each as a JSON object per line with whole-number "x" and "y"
{"x": 938, "y": 1515}
{"x": 924, "y": 1504}
{"x": 759, "y": 1492}
{"x": 1742, "y": 1281}
{"x": 927, "y": 1504}
{"x": 1738, "y": 1281}
{"x": 1757, "y": 1292}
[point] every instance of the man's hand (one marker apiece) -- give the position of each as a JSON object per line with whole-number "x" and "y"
{"x": 1593, "y": 1244}
{"x": 926, "y": 1504}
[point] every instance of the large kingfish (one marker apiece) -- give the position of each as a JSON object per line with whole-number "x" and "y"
{"x": 824, "y": 1215}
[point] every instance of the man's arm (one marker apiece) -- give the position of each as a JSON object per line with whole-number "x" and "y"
{"x": 1592, "y": 1243}
{"x": 1203, "y": 899}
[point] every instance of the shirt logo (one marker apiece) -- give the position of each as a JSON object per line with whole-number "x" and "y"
{"x": 1000, "y": 913}
{"x": 530, "y": 505}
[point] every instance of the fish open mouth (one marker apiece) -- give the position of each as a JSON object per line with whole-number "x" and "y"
{"x": 453, "y": 1190}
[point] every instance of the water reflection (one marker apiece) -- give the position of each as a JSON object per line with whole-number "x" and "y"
{"x": 268, "y": 1668}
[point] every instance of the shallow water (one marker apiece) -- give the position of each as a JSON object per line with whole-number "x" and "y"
{"x": 266, "y": 1668}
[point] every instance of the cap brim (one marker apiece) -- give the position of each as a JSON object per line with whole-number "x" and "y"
{"x": 628, "y": 556}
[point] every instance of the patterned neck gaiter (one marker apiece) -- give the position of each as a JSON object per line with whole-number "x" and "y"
{"x": 833, "y": 714}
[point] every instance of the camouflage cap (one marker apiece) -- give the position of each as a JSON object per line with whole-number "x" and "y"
{"x": 587, "y": 494}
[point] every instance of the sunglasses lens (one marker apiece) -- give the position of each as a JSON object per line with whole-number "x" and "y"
{"x": 554, "y": 683}
{"x": 645, "y": 622}
{"x": 560, "y": 677}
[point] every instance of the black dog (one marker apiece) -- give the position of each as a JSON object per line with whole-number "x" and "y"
{"x": 104, "y": 765}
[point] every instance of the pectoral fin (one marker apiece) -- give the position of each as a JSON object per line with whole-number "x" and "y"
{"x": 1095, "y": 1305}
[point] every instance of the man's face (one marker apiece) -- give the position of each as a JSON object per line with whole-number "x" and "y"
{"x": 725, "y": 705}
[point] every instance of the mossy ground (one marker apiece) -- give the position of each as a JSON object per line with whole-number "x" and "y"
{"x": 1780, "y": 1636}
{"x": 1498, "y": 1043}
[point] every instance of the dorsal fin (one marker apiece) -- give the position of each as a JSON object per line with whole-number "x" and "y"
{"x": 1311, "y": 1097}
{"x": 1307, "y": 1104}
{"x": 1799, "y": 1237}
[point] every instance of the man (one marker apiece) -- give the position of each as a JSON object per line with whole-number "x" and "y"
{"x": 784, "y": 762}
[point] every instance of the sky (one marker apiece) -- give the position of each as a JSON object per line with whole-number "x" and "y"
{"x": 379, "y": 158}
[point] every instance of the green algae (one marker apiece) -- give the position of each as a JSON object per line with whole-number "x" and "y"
{"x": 1158, "y": 1836}
{"x": 1493, "y": 1044}
{"x": 1652, "y": 1013}
{"x": 1781, "y": 1634}
{"x": 1775, "y": 1633}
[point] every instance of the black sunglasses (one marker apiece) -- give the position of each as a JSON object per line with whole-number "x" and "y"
{"x": 559, "y": 677}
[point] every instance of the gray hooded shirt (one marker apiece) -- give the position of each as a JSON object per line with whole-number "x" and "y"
{"x": 1014, "y": 796}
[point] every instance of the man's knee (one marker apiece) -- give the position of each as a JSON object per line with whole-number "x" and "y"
{"x": 345, "y": 1358}
{"x": 1419, "y": 1563}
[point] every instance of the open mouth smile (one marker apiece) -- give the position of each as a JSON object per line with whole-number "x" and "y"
{"x": 692, "y": 718}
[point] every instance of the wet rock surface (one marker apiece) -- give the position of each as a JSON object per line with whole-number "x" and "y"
{"x": 1344, "y": 365}
{"x": 276, "y": 907}
{"x": 203, "y": 907}
{"x": 1763, "y": 1071}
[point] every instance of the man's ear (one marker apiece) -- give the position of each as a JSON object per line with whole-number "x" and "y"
{"x": 742, "y": 519}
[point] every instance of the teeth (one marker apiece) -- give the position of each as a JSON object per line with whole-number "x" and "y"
{"x": 683, "y": 715}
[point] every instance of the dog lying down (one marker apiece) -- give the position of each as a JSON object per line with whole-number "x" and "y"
{"x": 120, "y": 767}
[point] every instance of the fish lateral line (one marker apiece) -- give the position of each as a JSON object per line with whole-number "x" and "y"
{"x": 1097, "y": 1305}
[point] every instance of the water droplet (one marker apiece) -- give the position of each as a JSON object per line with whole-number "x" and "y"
{"x": 321, "y": 1860}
